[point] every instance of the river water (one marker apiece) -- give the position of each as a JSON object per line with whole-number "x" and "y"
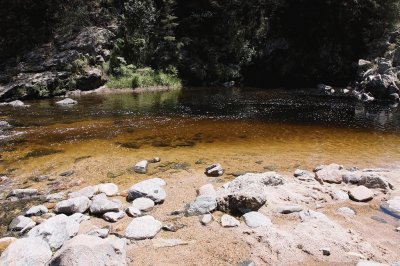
{"x": 246, "y": 129}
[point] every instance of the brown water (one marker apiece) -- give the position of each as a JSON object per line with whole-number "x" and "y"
{"x": 245, "y": 129}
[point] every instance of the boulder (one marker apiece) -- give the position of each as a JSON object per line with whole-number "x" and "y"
{"x": 374, "y": 180}
{"x": 330, "y": 174}
{"x": 207, "y": 190}
{"x": 91, "y": 251}
{"x": 143, "y": 204}
{"x": 143, "y": 228}
{"x": 289, "y": 209}
{"x": 67, "y": 101}
{"x": 148, "y": 189}
{"x": 247, "y": 192}
{"x": 141, "y": 167}
{"x": 37, "y": 210}
{"x": 361, "y": 193}
{"x": 229, "y": 221}
{"x": 110, "y": 189}
{"x": 113, "y": 216}
{"x": 101, "y": 204}
{"x": 202, "y": 205}
{"x": 73, "y": 205}
{"x": 23, "y": 193}
{"x": 256, "y": 219}
{"x": 206, "y": 219}
{"x": 56, "y": 230}
{"x": 86, "y": 192}
{"x": 26, "y": 251}
{"x": 90, "y": 80}
{"x": 20, "y": 222}
{"x": 214, "y": 170}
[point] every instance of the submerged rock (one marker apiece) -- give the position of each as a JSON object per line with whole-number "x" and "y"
{"x": 31, "y": 251}
{"x": 56, "y": 230}
{"x": 67, "y": 101}
{"x": 91, "y": 250}
{"x": 15, "y": 104}
{"x": 256, "y": 219}
{"x": 143, "y": 228}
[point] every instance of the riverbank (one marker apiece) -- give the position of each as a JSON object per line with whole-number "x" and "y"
{"x": 317, "y": 217}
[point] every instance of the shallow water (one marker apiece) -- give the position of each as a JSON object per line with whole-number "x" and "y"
{"x": 247, "y": 129}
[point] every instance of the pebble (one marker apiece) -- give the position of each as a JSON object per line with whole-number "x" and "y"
{"x": 361, "y": 194}
{"x": 110, "y": 189}
{"x": 133, "y": 212}
{"x": 326, "y": 251}
{"x": 141, "y": 167}
{"x": 229, "y": 221}
{"x": 113, "y": 216}
{"x": 256, "y": 219}
{"x": 143, "y": 204}
{"x": 206, "y": 219}
{"x": 214, "y": 170}
{"x": 67, "y": 101}
{"x": 346, "y": 211}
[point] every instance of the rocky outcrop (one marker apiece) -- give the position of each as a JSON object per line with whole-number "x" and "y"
{"x": 67, "y": 63}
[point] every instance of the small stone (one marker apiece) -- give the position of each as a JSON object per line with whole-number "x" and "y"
{"x": 229, "y": 221}
{"x": 214, "y": 170}
{"x": 361, "y": 193}
{"x": 133, "y": 212}
{"x": 339, "y": 195}
{"x": 206, "y": 219}
{"x": 86, "y": 192}
{"x": 145, "y": 227}
{"x": 100, "y": 232}
{"x": 37, "y": 210}
{"x": 173, "y": 227}
{"x": 73, "y": 205}
{"x": 326, "y": 251}
{"x": 40, "y": 178}
{"x": 67, "y": 101}
{"x": 113, "y": 216}
{"x": 304, "y": 175}
{"x": 207, "y": 190}
{"x": 289, "y": 209}
{"x": 398, "y": 229}
{"x": 346, "y": 211}
{"x": 19, "y": 223}
{"x": 110, "y": 189}
{"x": 256, "y": 219}
{"x": 67, "y": 173}
{"x": 141, "y": 167}
{"x": 155, "y": 160}
{"x": 143, "y": 204}
{"x": 202, "y": 205}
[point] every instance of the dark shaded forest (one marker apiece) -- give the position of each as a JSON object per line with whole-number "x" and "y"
{"x": 253, "y": 42}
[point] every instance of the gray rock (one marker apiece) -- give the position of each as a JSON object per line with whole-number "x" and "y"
{"x": 247, "y": 192}
{"x": 26, "y": 251}
{"x": 326, "y": 251}
{"x": 37, "y": 210}
{"x": 143, "y": 228}
{"x": 229, "y": 221}
{"x": 110, "y": 189}
{"x": 143, "y": 204}
{"x": 67, "y": 101}
{"x": 86, "y": 192}
{"x": 23, "y": 193}
{"x": 330, "y": 174}
{"x": 346, "y": 211}
{"x": 20, "y": 222}
{"x": 206, "y": 219}
{"x": 202, "y": 205}
{"x": 141, "y": 167}
{"x": 79, "y": 217}
{"x": 56, "y": 197}
{"x": 73, "y": 205}
{"x": 339, "y": 195}
{"x": 351, "y": 177}
{"x": 113, "y": 216}
{"x": 100, "y": 232}
{"x": 91, "y": 251}
{"x": 207, "y": 190}
{"x": 304, "y": 175}
{"x": 15, "y": 104}
{"x": 4, "y": 125}
{"x": 90, "y": 80}
{"x": 101, "y": 204}
{"x": 133, "y": 212}
{"x": 289, "y": 209}
{"x": 214, "y": 170}
{"x": 147, "y": 189}
{"x": 361, "y": 193}
{"x": 256, "y": 219}
{"x": 56, "y": 230}
{"x": 374, "y": 180}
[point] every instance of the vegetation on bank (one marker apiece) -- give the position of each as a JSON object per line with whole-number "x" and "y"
{"x": 255, "y": 42}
